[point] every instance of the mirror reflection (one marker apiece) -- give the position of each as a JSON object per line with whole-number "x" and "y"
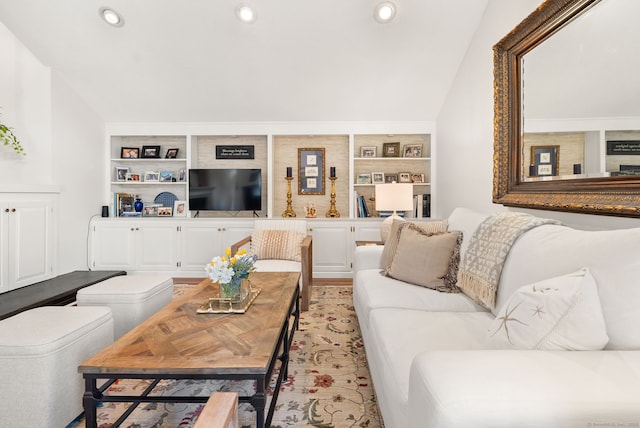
{"x": 581, "y": 98}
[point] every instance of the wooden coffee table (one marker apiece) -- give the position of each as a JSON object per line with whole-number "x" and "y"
{"x": 178, "y": 343}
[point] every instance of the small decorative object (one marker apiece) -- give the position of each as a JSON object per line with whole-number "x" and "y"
{"x": 363, "y": 179}
{"x": 129, "y": 152}
{"x": 404, "y": 177}
{"x": 180, "y": 209}
{"x": 391, "y": 150}
{"x": 333, "y": 212}
{"x": 377, "y": 177}
{"x": 289, "y": 212}
{"x": 171, "y": 154}
{"x": 412, "y": 150}
{"x": 137, "y": 205}
{"x": 151, "y": 176}
{"x": 229, "y": 272}
{"x": 166, "y": 199}
{"x": 165, "y": 211}
{"x": 368, "y": 152}
{"x": 8, "y": 138}
{"x": 150, "y": 151}
{"x": 310, "y": 210}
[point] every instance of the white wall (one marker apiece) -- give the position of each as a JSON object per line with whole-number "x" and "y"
{"x": 64, "y": 142}
{"x": 78, "y": 159}
{"x": 25, "y": 106}
{"x": 465, "y": 126}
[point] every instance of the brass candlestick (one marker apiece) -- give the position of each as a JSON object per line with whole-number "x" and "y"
{"x": 333, "y": 212}
{"x": 289, "y": 212}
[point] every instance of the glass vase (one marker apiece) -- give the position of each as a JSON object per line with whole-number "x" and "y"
{"x": 137, "y": 205}
{"x": 236, "y": 290}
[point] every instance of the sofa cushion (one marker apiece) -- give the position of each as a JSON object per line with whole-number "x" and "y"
{"x": 428, "y": 260}
{"x": 391, "y": 244}
{"x": 612, "y": 256}
{"x": 277, "y": 244}
{"x": 372, "y": 291}
{"x": 524, "y": 389}
{"x": 398, "y": 335}
{"x": 561, "y": 313}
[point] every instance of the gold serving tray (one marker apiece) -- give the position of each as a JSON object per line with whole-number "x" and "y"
{"x": 216, "y": 305}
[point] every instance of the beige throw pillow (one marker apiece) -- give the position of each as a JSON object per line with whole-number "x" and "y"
{"x": 276, "y": 244}
{"x": 427, "y": 260}
{"x": 391, "y": 244}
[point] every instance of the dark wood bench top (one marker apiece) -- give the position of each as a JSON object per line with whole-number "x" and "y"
{"x": 58, "y": 291}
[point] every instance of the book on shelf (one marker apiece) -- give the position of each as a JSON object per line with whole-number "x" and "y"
{"x": 362, "y": 210}
{"x": 422, "y": 205}
{"x": 123, "y": 203}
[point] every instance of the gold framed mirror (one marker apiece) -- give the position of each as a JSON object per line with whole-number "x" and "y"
{"x": 602, "y": 192}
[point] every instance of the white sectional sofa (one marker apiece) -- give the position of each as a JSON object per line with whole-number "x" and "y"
{"x": 436, "y": 360}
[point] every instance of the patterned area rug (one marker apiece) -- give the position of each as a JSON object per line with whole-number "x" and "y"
{"x": 328, "y": 383}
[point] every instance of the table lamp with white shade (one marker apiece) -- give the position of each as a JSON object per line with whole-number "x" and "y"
{"x": 393, "y": 197}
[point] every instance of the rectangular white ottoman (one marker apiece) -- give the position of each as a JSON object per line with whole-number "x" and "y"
{"x": 132, "y": 298}
{"x": 40, "y": 351}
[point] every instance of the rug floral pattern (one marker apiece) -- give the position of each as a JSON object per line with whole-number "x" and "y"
{"x": 328, "y": 383}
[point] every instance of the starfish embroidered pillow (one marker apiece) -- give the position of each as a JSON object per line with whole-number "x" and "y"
{"x": 561, "y": 313}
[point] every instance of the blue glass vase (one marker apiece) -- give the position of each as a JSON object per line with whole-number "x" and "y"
{"x": 137, "y": 205}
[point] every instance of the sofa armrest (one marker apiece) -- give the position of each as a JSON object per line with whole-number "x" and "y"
{"x": 507, "y": 388}
{"x": 306, "y": 252}
{"x": 241, "y": 243}
{"x": 366, "y": 257}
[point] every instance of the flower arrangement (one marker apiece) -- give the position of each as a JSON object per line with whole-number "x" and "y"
{"x": 229, "y": 271}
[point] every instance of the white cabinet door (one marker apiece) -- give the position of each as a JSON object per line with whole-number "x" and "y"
{"x": 200, "y": 241}
{"x": 26, "y": 248}
{"x": 113, "y": 244}
{"x": 157, "y": 246}
{"x": 367, "y": 230}
{"x": 332, "y": 242}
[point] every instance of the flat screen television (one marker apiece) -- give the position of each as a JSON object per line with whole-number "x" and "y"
{"x": 225, "y": 189}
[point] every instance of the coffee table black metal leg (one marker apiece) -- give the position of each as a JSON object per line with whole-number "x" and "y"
{"x": 258, "y": 402}
{"x": 90, "y": 402}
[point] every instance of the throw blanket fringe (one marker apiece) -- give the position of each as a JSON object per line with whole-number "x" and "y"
{"x": 489, "y": 246}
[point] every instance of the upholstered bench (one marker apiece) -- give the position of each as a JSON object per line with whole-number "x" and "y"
{"x": 132, "y": 298}
{"x": 40, "y": 351}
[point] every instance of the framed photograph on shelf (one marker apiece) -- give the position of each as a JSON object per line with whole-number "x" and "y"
{"x": 150, "y": 151}
{"x": 390, "y": 150}
{"x": 166, "y": 176}
{"x": 417, "y": 178}
{"x": 180, "y": 208}
{"x": 133, "y": 176}
{"x": 404, "y": 177}
{"x": 391, "y": 178}
{"x": 368, "y": 152}
{"x": 412, "y": 151}
{"x": 130, "y": 152}
{"x": 377, "y": 177}
{"x": 171, "y": 154}
{"x": 150, "y": 210}
{"x": 151, "y": 176}
{"x": 165, "y": 211}
{"x": 121, "y": 173}
{"x": 363, "y": 179}
{"x": 311, "y": 171}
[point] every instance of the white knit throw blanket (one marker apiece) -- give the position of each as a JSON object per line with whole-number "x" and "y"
{"x": 489, "y": 246}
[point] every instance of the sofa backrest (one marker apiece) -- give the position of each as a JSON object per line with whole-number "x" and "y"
{"x": 466, "y": 221}
{"x": 613, "y": 256}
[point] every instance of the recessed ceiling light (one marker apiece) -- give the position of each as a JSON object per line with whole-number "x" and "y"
{"x": 245, "y": 13}
{"x": 111, "y": 17}
{"x": 384, "y": 12}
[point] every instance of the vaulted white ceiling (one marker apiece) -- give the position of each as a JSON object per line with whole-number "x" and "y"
{"x": 302, "y": 60}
